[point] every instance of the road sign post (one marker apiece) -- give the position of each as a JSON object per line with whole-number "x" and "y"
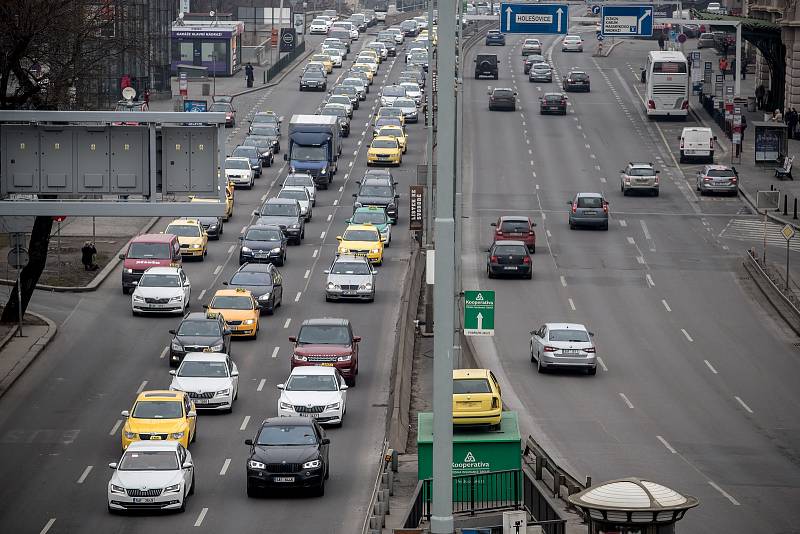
{"x": 627, "y": 20}
{"x": 788, "y": 233}
{"x": 534, "y": 18}
{"x": 478, "y": 313}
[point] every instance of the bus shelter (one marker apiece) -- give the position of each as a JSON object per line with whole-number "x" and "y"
{"x": 771, "y": 141}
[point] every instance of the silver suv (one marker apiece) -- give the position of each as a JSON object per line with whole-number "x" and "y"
{"x": 639, "y": 177}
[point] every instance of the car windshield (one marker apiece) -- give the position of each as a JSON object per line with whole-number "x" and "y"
{"x": 351, "y": 267}
{"x": 309, "y": 153}
{"x": 514, "y": 226}
{"x": 203, "y": 369}
{"x": 148, "y": 461}
{"x": 183, "y": 230}
{"x": 360, "y": 235}
{"x": 265, "y": 118}
{"x": 641, "y": 171}
{"x": 333, "y": 112}
{"x": 352, "y": 82}
{"x": 394, "y": 90}
{"x": 344, "y": 91}
{"x": 320, "y": 57}
{"x": 298, "y": 179}
{"x": 319, "y": 334}
{"x": 311, "y": 383}
{"x": 510, "y": 250}
{"x": 721, "y": 173}
{"x": 249, "y": 278}
{"x": 410, "y": 87}
{"x": 260, "y": 234}
{"x": 375, "y": 191}
{"x": 253, "y": 140}
{"x": 372, "y": 217}
{"x": 279, "y": 210}
{"x": 390, "y": 131}
{"x": 314, "y": 74}
{"x": 267, "y": 131}
{"x": 158, "y": 410}
{"x": 590, "y": 202}
{"x": 384, "y": 143}
{"x": 236, "y": 164}
{"x": 297, "y": 194}
{"x": 574, "y": 336}
{"x": 160, "y": 280}
{"x": 245, "y": 152}
{"x": 199, "y": 328}
{"x": 390, "y": 112}
{"x": 220, "y": 106}
{"x": 387, "y": 121}
{"x": 231, "y": 302}
{"x": 283, "y": 435}
{"x": 471, "y": 385}
{"x": 339, "y": 99}
{"x": 141, "y": 251}
{"x": 405, "y": 103}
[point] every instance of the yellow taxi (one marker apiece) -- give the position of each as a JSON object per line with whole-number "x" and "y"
{"x": 391, "y": 112}
{"x": 160, "y": 415}
{"x": 362, "y": 240}
{"x": 191, "y": 236}
{"x": 476, "y": 398}
{"x": 397, "y": 132}
{"x": 326, "y": 61}
{"x": 372, "y": 53}
{"x": 239, "y": 309}
{"x": 228, "y": 200}
{"x": 366, "y": 69}
{"x": 384, "y": 150}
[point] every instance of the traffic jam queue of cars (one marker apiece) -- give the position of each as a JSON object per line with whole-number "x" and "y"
{"x": 157, "y": 470}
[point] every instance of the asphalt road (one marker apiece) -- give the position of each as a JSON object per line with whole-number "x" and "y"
{"x": 60, "y": 423}
{"x": 697, "y": 386}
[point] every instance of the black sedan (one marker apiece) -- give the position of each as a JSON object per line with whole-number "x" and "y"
{"x": 198, "y": 332}
{"x": 254, "y": 154}
{"x": 264, "y": 144}
{"x": 288, "y": 452}
{"x": 271, "y": 131}
{"x": 576, "y": 80}
{"x": 509, "y": 258}
{"x": 263, "y": 243}
{"x": 502, "y": 98}
{"x": 212, "y": 226}
{"x": 263, "y": 281}
{"x": 553, "y": 103}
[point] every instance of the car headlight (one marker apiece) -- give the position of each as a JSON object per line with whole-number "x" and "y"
{"x": 331, "y": 285}
{"x": 313, "y": 464}
{"x": 374, "y": 251}
{"x": 367, "y": 286}
{"x": 334, "y": 406}
{"x": 357, "y": 204}
{"x": 249, "y": 321}
{"x": 137, "y": 298}
{"x": 300, "y": 358}
{"x": 117, "y": 489}
{"x": 265, "y": 296}
{"x": 212, "y": 226}
{"x": 175, "y": 488}
{"x": 197, "y": 246}
{"x": 253, "y": 464}
{"x": 345, "y": 358}
{"x": 246, "y": 249}
{"x": 218, "y": 347}
{"x": 128, "y": 271}
{"x": 323, "y": 171}
{"x": 130, "y": 435}
{"x": 177, "y": 298}
{"x": 295, "y": 226}
{"x": 285, "y": 406}
{"x": 343, "y": 250}
{"x": 177, "y": 435}
{"x": 224, "y": 392}
{"x": 276, "y": 250}
{"x": 176, "y": 346}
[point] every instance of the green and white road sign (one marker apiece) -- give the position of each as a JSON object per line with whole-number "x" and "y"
{"x": 478, "y": 313}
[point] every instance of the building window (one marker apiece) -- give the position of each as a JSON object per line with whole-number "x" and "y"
{"x": 186, "y": 51}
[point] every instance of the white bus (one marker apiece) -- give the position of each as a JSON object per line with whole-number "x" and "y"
{"x": 667, "y": 92}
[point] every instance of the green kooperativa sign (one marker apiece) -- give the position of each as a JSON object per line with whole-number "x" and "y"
{"x": 478, "y": 313}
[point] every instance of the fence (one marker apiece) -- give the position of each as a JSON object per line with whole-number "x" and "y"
{"x": 279, "y": 65}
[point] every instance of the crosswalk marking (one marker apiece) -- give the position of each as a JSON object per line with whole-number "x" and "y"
{"x": 753, "y": 230}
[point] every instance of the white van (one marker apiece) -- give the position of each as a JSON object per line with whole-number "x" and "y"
{"x": 714, "y": 7}
{"x": 697, "y": 142}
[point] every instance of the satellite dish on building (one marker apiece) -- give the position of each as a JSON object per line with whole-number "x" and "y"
{"x": 211, "y": 13}
{"x": 128, "y": 93}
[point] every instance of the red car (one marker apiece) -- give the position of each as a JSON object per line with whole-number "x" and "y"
{"x": 327, "y": 342}
{"x": 516, "y": 228}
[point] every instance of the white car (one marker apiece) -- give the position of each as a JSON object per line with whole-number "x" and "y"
{"x": 151, "y": 475}
{"x": 563, "y": 345}
{"x": 413, "y": 49}
{"x": 380, "y": 48}
{"x": 314, "y": 391}
{"x": 328, "y": 19}
{"x": 399, "y": 37}
{"x": 412, "y": 91}
{"x": 299, "y": 194}
{"x": 210, "y": 378}
{"x": 409, "y": 107}
{"x": 572, "y": 43}
{"x": 239, "y": 172}
{"x": 390, "y": 93}
{"x": 335, "y": 54}
{"x": 342, "y": 100}
{"x": 162, "y": 290}
{"x": 318, "y": 26}
{"x": 301, "y": 179}
{"x": 347, "y": 26}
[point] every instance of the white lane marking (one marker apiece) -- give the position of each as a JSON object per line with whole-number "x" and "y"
{"x": 330, "y": 216}
{"x": 141, "y": 386}
{"x": 287, "y": 322}
{"x": 667, "y": 445}
{"x": 225, "y": 466}
{"x": 355, "y": 152}
{"x": 308, "y": 272}
{"x": 549, "y": 234}
{"x": 744, "y": 405}
{"x": 630, "y": 240}
{"x": 261, "y": 384}
{"x": 48, "y": 525}
{"x": 201, "y": 295}
{"x": 335, "y": 201}
{"x": 164, "y": 352}
{"x": 314, "y": 254}
{"x": 350, "y": 164}
{"x": 528, "y": 141}
{"x": 627, "y": 401}
{"x": 322, "y": 235}
{"x": 602, "y": 363}
{"x": 217, "y": 269}
{"x": 602, "y": 180}
{"x": 243, "y": 229}
{"x": 544, "y": 215}
{"x": 563, "y": 281}
{"x": 645, "y": 230}
{"x": 275, "y": 352}
{"x": 230, "y": 249}
{"x": 688, "y": 337}
{"x": 115, "y": 427}
{"x": 724, "y": 493}
{"x": 244, "y": 422}
{"x": 264, "y": 196}
{"x": 664, "y": 302}
{"x": 711, "y": 367}
{"x": 650, "y": 280}
{"x": 640, "y": 259}
{"x": 341, "y": 188}
{"x": 571, "y": 304}
{"x": 297, "y": 297}
{"x": 85, "y": 473}
{"x": 200, "y": 517}
{"x": 530, "y": 152}
{"x": 623, "y": 223}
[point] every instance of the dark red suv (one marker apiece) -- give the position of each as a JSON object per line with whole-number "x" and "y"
{"x": 327, "y": 342}
{"x": 516, "y": 228}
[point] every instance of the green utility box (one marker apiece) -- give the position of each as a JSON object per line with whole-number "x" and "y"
{"x": 475, "y": 451}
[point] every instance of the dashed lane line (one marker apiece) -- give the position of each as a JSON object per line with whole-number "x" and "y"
{"x": 115, "y": 427}
{"x": 743, "y": 404}
{"x": 141, "y": 386}
{"x": 275, "y": 352}
{"x": 244, "y": 422}
{"x": 626, "y": 400}
{"x": 47, "y": 526}
{"x": 667, "y": 445}
{"x": 85, "y": 474}
{"x": 261, "y": 384}
{"x": 200, "y": 517}
{"x": 724, "y": 493}
{"x": 225, "y": 465}
{"x": 688, "y": 337}
{"x": 287, "y": 322}
{"x": 710, "y": 367}
{"x": 666, "y": 306}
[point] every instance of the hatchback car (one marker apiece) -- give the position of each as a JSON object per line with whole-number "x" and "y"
{"x": 554, "y": 103}
{"x": 563, "y": 345}
{"x": 263, "y": 280}
{"x": 572, "y": 43}
{"x": 160, "y": 415}
{"x": 531, "y": 46}
{"x": 706, "y": 40}
{"x": 495, "y": 37}
{"x": 639, "y": 176}
{"x": 211, "y": 380}
{"x": 262, "y": 243}
{"x": 502, "y": 98}
{"x": 576, "y": 80}
{"x": 515, "y": 228}
{"x": 199, "y": 332}
{"x": 350, "y": 277}
{"x": 718, "y": 179}
{"x": 540, "y": 72}
{"x": 509, "y": 258}
{"x": 476, "y": 398}
{"x": 588, "y": 209}
{"x": 286, "y": 213}
{"x": 305, "y": 180}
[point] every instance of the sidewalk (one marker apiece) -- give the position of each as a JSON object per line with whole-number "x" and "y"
{"x": 17, "y": 353}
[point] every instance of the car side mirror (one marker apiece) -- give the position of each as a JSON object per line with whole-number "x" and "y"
{"x": 356, "y": 339}
{"x": 293, "y": 339}
{"x": 205, "y": 306}
{"x": 344, "y": 387}
{"x": 135, "y": 282}
{"x": 533, "y": 224}
{"x": 173, "y": 372}
{"x": 187, "y": 284}
{"x": 191, "y": 413}
{"x": 122, "y": 256}
{"x": 113, "y": 465}
{"x": 125, "y": 413}
{"x": 591, "y": 334}
{"x": 374, "y": 271}
{"x": 327, "y": 271}
{"x": 173, "y": 332}
{"x": 281, "y": 386}
{"x": 569, "y": 203}
{"x": 338, "y": 238}
{"x": 187, "y": 465}
{"x": 248, "y": 441}
{"x": 622, "y": 170}
{"x": 325, "y": 441}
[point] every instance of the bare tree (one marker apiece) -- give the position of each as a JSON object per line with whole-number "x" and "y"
{"x": 50, "y": 52}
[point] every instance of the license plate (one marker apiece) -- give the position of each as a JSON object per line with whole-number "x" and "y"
{"x": 589, "y": 212}
{"x": 201, "y": 401}
{"x": 349, "y": 293}
{"x": 469, "y": 403}
{"x": 570, "y": 351}
{"x": 311, "y": 415}
{"x": 327, "y": 364}
{"x": 510, "y": 267}
{"x": 141, "y": 500}
{"x": 283, "y": 479}
{"x": 155, "y": 437}
{"x": 725, "y": 182}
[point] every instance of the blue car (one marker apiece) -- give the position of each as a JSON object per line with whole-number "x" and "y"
{"x": 494, "y": 37}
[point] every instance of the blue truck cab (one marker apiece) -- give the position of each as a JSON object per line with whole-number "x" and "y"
{"x": 314, "y": 147}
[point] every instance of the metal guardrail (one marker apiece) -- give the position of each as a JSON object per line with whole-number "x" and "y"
{"x": 792, "y": 312}
{"x": 279, "y": 65}
{"x": 540, "y": 462}
{"x": 379, "y": 501}
{"x": 540, "y": 508}
{"x": 416, "y": 512}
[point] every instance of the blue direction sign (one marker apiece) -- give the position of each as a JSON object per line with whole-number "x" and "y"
{"x": 627, "y": 20}
{"x": 534, "y": 18}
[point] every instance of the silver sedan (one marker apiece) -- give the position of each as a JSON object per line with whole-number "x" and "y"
{"x": 563, "y": 345}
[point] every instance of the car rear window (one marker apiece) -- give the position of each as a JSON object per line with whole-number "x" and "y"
{"x": 471, "y": 385}
{"x": 574, "y": 336}
{"x": 721, "y": 173}
{"x": 510, "y": 250}
{"x": 514, "y": 226}
{"x": 553, "y": 98}
{"x": 578, "y": 76}
{"x": 139, "y": 251}
{"x": 503, "y": 93}
{"x": 641, "y": 172}
{"x": 590, "y": 202}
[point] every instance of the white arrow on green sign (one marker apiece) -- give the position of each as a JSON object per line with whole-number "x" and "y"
{"x": 478, "y": 313}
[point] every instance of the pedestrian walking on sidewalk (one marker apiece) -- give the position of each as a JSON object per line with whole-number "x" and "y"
{"x": 723, "y": 64}
{"x": 760, "y": 91}
{"x": 87, "y": 256}
{"x": 248, "y": 74}
{"x": 661, "y": 42}
{"x": 791, "y": 121}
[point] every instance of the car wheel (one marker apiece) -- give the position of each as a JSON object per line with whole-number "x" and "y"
{"x": 591, "y": 371}
{"x": 183, "y": 505}
{"x": 681, "y": 158}
{"x": 194, "y": 436}
{"x": 351, "y": 382}
{"x": 271, "y": 309}
{"x": 489, "y": 272}
{"x": 655, "y": 193}
{"x": 533, "y": 358}
{"x": 282, "y": 261}
{"x": 495, "y": 76}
